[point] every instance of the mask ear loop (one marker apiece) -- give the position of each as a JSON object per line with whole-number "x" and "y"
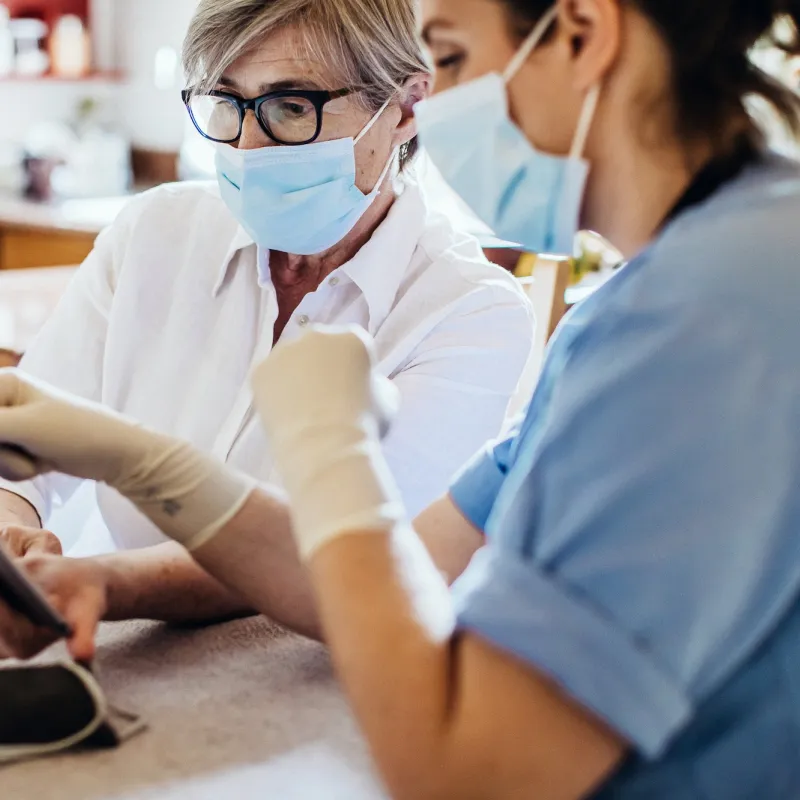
{"x": 528, "y": 46}
{"x": 585, "y": 123}
{"x": 592, "y": 98}
{"x": 366, "y": 130}
{"x": 389, "y": 165}
{"x": 369, "y": 125}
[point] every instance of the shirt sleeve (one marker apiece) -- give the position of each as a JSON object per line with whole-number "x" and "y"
{"x": 455, "y": 392}
{"x": 475, "y": 488}
{"x": 649, "y": 545}
{"x": 69, "y": 351}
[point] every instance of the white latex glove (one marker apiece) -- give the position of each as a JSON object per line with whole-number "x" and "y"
{"x": 187, "y": 494}
{"x": 325, "y": 410}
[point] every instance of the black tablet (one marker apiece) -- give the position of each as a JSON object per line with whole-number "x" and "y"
{"x": 24, "y": 597}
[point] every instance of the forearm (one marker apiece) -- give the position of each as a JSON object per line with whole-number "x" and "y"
{"x": 256, "y": 556}
{"x": 164, "y": 583}
{"x": 251, "y": 566}
{"x": 404, "y": 702}
{"x": 16, "y": 510}
{"x": 446, "y": 716}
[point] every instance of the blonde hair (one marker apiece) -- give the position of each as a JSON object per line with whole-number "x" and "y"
{"x": 370, "y": 45}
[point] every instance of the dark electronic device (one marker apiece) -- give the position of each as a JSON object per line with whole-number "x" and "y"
{"x": 22, "y": 596}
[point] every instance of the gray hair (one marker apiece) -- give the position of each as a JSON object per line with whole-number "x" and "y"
{"x": 371, "y": 45}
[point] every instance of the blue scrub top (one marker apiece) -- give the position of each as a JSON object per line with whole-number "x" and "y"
{"x": 643, "y": 521}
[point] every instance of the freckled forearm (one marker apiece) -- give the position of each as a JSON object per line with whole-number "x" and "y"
{"x": 164, "y": 583}
{"x": 254, "y": 555}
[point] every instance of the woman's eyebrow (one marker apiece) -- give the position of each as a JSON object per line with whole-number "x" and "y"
{"x": 280, "y": 86}
{"x": 228, "y": 83}
{"x": 300, "y": 84}
{"x": 431, "y": 27}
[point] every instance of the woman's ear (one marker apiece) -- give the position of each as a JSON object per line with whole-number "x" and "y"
{"x": 417, "y": 88}
{"x": 593, "y": 27}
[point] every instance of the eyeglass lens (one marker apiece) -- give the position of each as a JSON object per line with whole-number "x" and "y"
{"x": 291, "y": 120}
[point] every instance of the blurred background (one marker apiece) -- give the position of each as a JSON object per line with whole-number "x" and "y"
{"x": 91, "y": 113}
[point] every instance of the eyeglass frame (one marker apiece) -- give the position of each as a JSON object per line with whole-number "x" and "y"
{"x": 319, "y": 98}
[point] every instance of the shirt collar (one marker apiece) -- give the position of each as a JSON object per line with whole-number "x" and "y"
{"x": 378, "y": 267}
{"x": 241, "y": 241}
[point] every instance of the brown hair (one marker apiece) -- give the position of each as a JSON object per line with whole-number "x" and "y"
{"x": 712, "y": 73}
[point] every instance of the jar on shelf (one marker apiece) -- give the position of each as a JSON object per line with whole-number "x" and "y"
{"x": 70, "y": 49}
{"x": 31, "y": 60}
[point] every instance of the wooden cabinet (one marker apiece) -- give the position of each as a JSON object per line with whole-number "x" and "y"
{"x": 23, "y": 247}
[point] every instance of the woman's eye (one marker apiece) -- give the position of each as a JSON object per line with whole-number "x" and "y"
{"x": 292, "y": 109}
{"x": 452, "y": 62}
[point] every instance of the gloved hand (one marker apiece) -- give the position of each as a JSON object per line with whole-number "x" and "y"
{"x": 187, "y": 494}
{"x": 325, "y": 411}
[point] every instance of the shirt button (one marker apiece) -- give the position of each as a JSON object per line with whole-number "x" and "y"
{"x": 334, "y": 281}
{"x": 303, "y": 320}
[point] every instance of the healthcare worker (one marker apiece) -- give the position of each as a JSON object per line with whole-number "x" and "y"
{"x": 630, "y": 627}
{"x": 317, "y": 216}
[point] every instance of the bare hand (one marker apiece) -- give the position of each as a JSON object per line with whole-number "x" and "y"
{"x": 77, "y": 589}
{"x": 20, "y": 541}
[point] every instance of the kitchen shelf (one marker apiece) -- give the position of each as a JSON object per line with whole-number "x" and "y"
{"x": 92, "y": 77}
{"x": 49, "y": 10}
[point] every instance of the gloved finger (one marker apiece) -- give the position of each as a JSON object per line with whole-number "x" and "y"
{"x": 16, "y": 464}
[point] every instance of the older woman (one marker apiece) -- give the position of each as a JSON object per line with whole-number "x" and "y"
{"x": 317, "y": 218}
{"x": 631, "y": 628}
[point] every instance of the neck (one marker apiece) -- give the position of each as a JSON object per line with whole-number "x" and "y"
{"x": 308, "y": 272}
{"x": 635, "y": 184}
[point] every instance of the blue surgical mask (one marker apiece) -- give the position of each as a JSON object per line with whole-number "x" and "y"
{"x": 525, "y": 196}
{"x": 300, "y": 200}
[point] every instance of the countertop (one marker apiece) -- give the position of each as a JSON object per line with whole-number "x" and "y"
{"x": 241, "y": 710}
{"x": 74, "y": 216}
{"x": 27, "y": 299}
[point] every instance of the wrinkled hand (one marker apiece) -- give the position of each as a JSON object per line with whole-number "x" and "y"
{"x": 44, "y": 430}
{"x": 77, "y": 589}
{"x": 324, "y": 409}
{"x": 20, "y": 541}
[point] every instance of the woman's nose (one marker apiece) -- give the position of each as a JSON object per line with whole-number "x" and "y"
{"x": 253, "y": 137}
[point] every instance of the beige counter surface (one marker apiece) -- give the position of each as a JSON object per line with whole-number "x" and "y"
{"x": 27, "y": 299}
{"x": 75, "y": 216}
{"x": 240, "y": 710}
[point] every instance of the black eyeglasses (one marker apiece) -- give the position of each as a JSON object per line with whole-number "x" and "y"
{"x": 290, "y": 117}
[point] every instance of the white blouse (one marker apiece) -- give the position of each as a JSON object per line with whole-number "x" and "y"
{"x": 167, "y": 316}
